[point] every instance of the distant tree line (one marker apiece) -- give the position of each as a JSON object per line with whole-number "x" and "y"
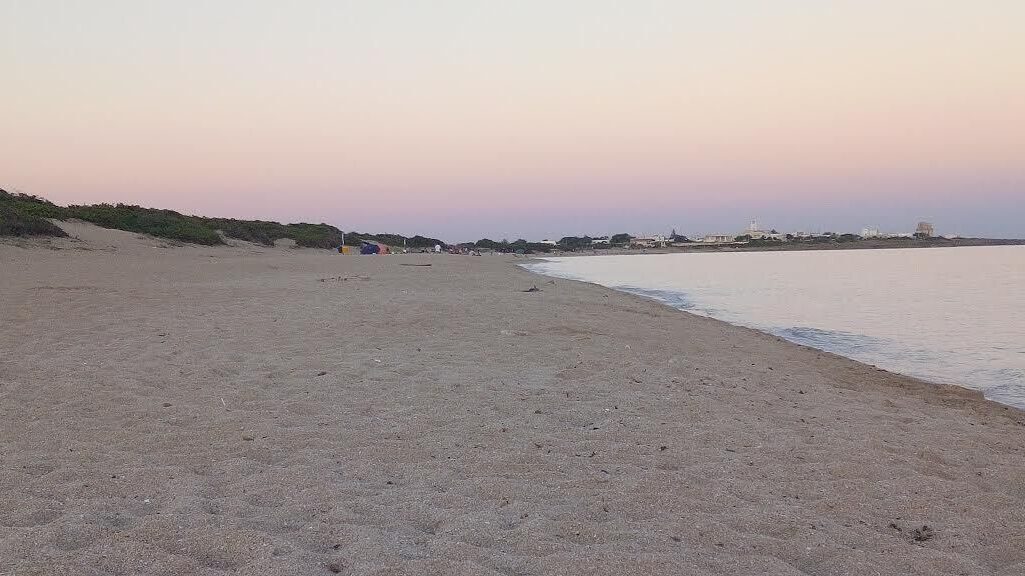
{"x": 825, "y": 238}
{"x": 575, "y": 242}
{"x": 764, "y": 241}
{"x": 412, "y": 242}
{"x": 566, "y": 243}
{"x": 519, "y": 246}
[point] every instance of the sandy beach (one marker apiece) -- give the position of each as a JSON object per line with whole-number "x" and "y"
{"x": 176, "y": 410}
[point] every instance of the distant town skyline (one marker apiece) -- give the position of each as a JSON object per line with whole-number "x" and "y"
{"x": 462, "y": 119}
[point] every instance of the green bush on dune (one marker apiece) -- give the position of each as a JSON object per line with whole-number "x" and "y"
{"x": 314, "y": 235}
{"x": 28, "y": 205}
{"x": 23, "y": 215}
{"x": 13, "y": 223}
{"x": 160, "y": 223}
{"x": 255, "y": 231}
{"x": 265, "y": 232}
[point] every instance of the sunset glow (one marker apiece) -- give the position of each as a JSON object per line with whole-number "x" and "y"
{"x": 526, "y": 119}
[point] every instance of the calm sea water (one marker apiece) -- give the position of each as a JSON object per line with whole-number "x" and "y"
{"x": 950, "y": 315}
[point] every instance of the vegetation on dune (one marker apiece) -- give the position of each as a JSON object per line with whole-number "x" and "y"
{"x": 23, "y": 214}
{"x": 160, "y": 223}
{"x": 264, "y": 232}
{"x": 255, "y": 231}
{"x": 314, "y": 235}
{"x": 24, "y": 208}
{"x": 13, "y": 223}
{"x": 200, "y": 230}
{"x": 28, "y": 205}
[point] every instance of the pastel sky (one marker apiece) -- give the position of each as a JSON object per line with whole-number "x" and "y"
{"x": 464, "y": 119}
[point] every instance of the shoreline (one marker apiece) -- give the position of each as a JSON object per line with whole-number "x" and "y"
{"x": 180, "y": 410}
{"x": 658, "y": 297}
{"x": 972, "y": 393}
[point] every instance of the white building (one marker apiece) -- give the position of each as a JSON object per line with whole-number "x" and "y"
{"x": 653, "y": 241}
{"x": 718, "y": 238}
{"x": 756, "y": 234}
{"x": 550, "y": 242}
{"x": 602, "y": 240}
{"x": 870, "y": 232}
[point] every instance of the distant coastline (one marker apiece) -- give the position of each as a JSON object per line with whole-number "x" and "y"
{"x": 865, "y": 244}
{"x": 23, "y": 215}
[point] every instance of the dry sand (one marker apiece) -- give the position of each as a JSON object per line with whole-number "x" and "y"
{"x": 246, "y": 410}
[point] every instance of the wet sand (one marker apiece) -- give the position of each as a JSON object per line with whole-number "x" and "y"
{"x": 247, "y": 410}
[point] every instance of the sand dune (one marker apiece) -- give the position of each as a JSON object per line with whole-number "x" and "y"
{"x": 247, "y": 410}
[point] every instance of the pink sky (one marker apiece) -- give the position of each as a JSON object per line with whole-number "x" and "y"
{"x": 462, "y": 119}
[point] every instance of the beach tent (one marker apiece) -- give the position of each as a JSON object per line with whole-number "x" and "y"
{"x": 369, "y": 248}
